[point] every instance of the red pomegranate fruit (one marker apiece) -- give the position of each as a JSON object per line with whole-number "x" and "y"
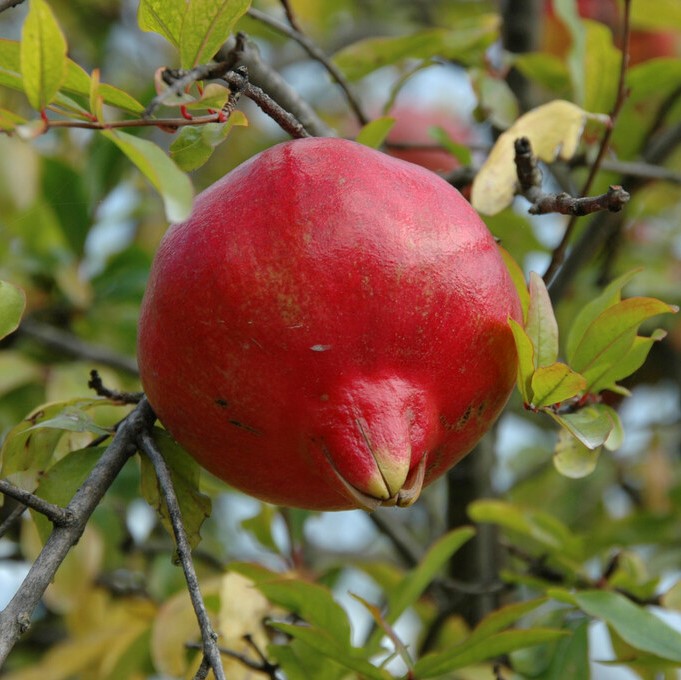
{"x": 329, "y": 329}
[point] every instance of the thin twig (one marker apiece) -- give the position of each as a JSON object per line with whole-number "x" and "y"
{"x": 264, "y": 665}
{"x": 56, "y": 514}
{"x": 15, "y": 619}
{"x": 558, "y": 255}
{"x": 530, "y": 181}
{"x": 293, "y": 31}
{"x": 95, "y": 383}
{"x": 8, "y": 4}
{"x": 13, "y": 517}
{"x": 211, "y": 651}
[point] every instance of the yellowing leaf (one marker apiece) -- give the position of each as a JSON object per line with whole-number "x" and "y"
{"x": 373, "y": 134}
{"x": 554, "y": 130}
{"x": 525, "y": 352}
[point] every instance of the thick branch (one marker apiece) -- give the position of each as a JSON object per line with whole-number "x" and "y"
{"x": 530, "y": 180}
{"x": 15, "y": 618}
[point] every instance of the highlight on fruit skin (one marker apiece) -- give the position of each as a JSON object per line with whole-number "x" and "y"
{"x": 328, "y": 330}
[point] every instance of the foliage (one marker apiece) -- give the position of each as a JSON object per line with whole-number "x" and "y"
{"x": 585, "y": 488}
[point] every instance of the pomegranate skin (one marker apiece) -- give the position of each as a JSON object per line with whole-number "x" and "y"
{"x": 329, "y": 328}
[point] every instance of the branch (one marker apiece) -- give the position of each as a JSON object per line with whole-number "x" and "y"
{"x": 57, "y": 515}
{"x": 15, "y": 619}
{"x": 315, "y": 52}
{"x": 559, "y": 253}
{"x": 73, "y": 346}
{"x": 530, "y": 180}
{"x": 211, "y": 651}
{"x": 8, "y": 4}
{"x": 278, "y": 90}
{"x": 238, "y": 81}
{"x": 95, "y": 383}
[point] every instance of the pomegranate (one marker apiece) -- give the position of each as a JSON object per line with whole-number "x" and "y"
{"x": 329, "y": 328}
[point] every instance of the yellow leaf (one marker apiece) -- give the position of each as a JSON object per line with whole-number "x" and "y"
{"x": 554, "y": 130}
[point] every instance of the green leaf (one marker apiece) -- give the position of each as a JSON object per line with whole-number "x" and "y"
{"x": 571, "y": 656}
{"x": 628, "y": 364}
{"x": 417, "y": 580}
{"x": 71, "y": 419}
{"x": 12, "y": 306}
{"x": 525, "y": 352}
{"x": 635, "y": 625}
{"x": 555, "y": 383}
{"x": 322, "y": 641}
{"x": 206, "y": 26}
{"x": 62, "y": 480}
{"x": 465, "y": 43}
{"x": 173, "y": 185}
{"x": 185, "y": 472}
{"x": 518, "y": 279}
{"x": 467, "y": 654}
{"x": 460, "y": 151}
{"x": 195, "y": 143}
{"x": 373, "y": 134}
{"x": 28, "y": 452}
{"x": 572, "y": 458}
{"x": 43, "y": 55}
{"x": 538, "y": 525}
{"x": 76, "y": 81}
{"x": 608, "y": 297}
{"x": 592, "y": 425}
{"x": 164, "y": 17}
{"x": 312, "y": 602}
{"x": 541, "y": 326}
{"x": 610, "y": 337}
{"x": 503, "y": 618}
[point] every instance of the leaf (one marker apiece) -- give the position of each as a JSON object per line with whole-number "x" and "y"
{"x": 460, "y": 151}
{"x": 571, "y": 656}
{"x": 185, "y": 473}
{"x": 435, "y": 665}
{"x": 62, "y": 480}
{"x": 608, "y": 297}
{"x": 464, "y": 44}
{"x": 538, "y": 525}
{"x": 518, "y": 278}
{"x": 164, "y": 17}
{"x": 206, "y": 26}
{"x": 541, "y": 326}
{"x": 555, "y": 383}
{"x": 312, "y": 602}
{"x": 554, "y": 130}
{"x": 12, "y": 306}
{"x": 503, "y": 617}
{"x": 417, "y": 580}
{"x": 525, "y": 352}
{"x": 322, "y": 641}
{"x": 72, "y": 419}
{"x": 601, "y": 66}
{"x": 28, "y": 452}
{"x": 572, "y": 458}
{"x": 195, "y": 143}
{"x": 610, "y": 337}
{"x": 43, "y": 55}
{"x": 375, "y": 612}
{"x": 173, "y": 185}
{"x": 591, "y": 425}
{"x": 374, "y": 133}
{"x": 635, "y": 625}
